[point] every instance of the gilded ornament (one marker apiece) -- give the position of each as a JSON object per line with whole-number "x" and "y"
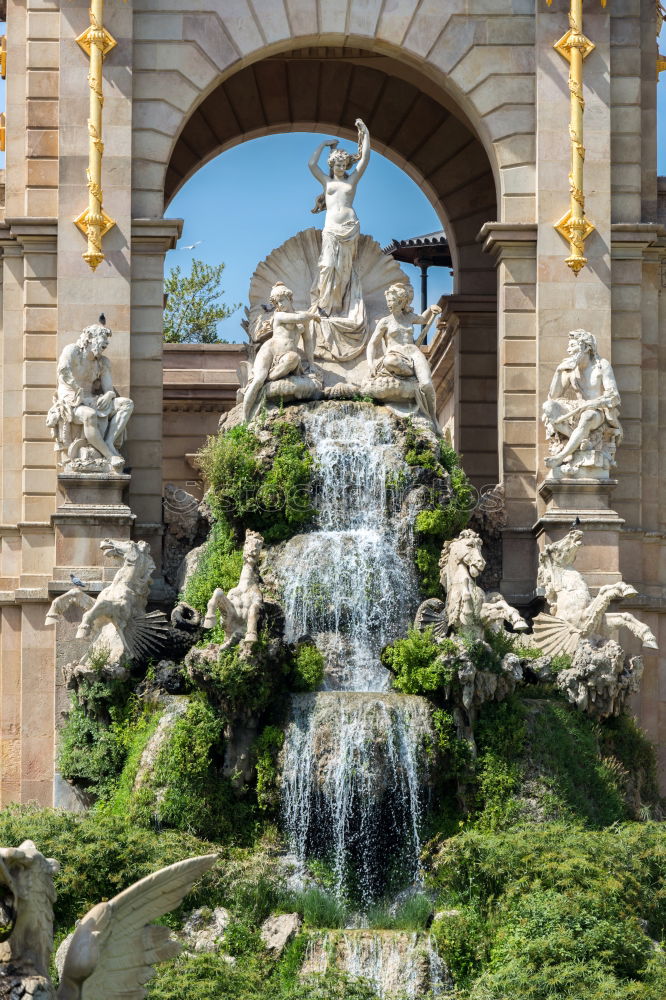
{"x": 93, "y": 222}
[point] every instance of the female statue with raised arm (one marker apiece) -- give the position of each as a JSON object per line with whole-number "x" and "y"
{"x": 337, "y": 289}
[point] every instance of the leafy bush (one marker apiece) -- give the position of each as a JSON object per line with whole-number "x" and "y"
{"x": 91, "y": 753}
{"x": 307, "y": 669}
{"x": 555, "y": 911}
{"x": 220, "y": 565}
{"x": 269, "y": 493}
{"x": 99, "y": 855}
{"x": 444, "y": 520}
{"x": 185, "y": 788}
{"x": 416, "y": 663}
{"x": 94, "y": 741}
{"x": 266, "y": 749}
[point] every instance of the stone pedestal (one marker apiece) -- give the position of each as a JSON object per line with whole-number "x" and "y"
{"x": 92, "y": 508}
{"x": 587, "y": 500}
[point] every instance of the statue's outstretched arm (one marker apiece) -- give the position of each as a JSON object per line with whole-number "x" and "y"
{"x": 313, "y": 162}
{"x": 364, "y": 142}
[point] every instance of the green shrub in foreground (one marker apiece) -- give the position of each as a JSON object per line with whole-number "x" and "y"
{"x": 555, "y": 911}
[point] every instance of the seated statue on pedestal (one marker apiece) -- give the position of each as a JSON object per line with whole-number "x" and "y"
{"x": 88, "y": 418}
{"x": 278, "y": 358}
{"x": 581, "y": 412}
{"x": 399, "y": 370}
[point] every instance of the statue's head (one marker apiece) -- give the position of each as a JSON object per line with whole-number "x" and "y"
{"x": 582, "y": 342}
{"x": 400, "y": 294}
{"x": 279, "y": 292}
{"x": 564, "y": 552}
{"x": 340, "y": 161}
{"x": 95, "y": 338}
{"x": 254, "y": 543}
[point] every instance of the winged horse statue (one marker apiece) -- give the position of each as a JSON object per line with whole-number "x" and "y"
{"x": 114, "y": 947}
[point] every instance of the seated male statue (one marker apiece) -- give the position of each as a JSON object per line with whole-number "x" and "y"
{"x": 88, "y": 417}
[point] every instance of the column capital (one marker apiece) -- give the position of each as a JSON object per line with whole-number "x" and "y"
{"x": 155, "y": 235}
{"x": 509, "y": 239}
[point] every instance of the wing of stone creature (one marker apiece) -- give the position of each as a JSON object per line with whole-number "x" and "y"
{"x": 147, "y": 633}
{"x": 119, "y": 934}
{"x": 432, "y": 614}
{"x": 555, "y": 636}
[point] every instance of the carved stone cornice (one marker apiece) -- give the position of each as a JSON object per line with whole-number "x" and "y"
{"x": 155, "y": 235}
{"x": 509, "y": 239}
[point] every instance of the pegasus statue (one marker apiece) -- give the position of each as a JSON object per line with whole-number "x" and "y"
{"x": 240, "y": 609}
{"x": 467, "y": 606}
{"x": 574, "y": 613}
{"x": 116, "y": 621}
{"x": 114, "y": 947}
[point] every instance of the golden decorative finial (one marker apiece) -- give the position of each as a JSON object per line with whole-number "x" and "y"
{"x": 94, "y": 223}
{"x": 574, "y": 226}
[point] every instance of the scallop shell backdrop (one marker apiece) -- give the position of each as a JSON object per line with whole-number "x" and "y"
{"x": 295, "y": 263}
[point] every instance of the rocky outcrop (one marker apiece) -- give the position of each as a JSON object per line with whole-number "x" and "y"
{"x": 277, "y": 932}
{"x": 601, "y": 677}
{"x": 186, "y": 526}
{"x": 204, "y": 930}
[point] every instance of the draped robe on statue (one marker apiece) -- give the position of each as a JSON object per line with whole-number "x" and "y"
{"x": 337, "y": 291}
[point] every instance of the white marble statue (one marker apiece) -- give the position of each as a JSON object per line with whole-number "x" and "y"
{"x": 116, "y": 621}
{"x": 88, "y": 418}
{"x": 581, "y": 412}
{"x": 393, "y": 353}
{"x": 337, "y": 289}
{"x": 467, "y": 606}
{"x": 114, "y": 947}
{"x": 240, "y": 609}
{"x": 279, "y": 356}
{"x": 574, "y": 613}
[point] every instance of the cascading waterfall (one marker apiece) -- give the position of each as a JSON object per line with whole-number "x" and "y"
{"x": 354, "y": 778}
{"x": 350, "y": 583}
{"x": 394, "y": 962}
{"x": 353, "y": 784}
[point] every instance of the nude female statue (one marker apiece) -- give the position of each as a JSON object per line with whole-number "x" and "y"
{"x": 337, "y": 290}
{"x": 393, "y": 351}
{"x": 279, "y": 356}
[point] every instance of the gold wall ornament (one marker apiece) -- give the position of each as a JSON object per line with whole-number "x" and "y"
{"x": 94, "y": 223}
{"x": 574, "y": 46}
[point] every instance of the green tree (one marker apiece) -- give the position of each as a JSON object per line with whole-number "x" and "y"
{"x": 194, "y": 305}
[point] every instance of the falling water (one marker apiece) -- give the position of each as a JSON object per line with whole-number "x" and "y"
{"x": 354, "y": 779}
{"x": 354, "y": 770}
{"x": 350, "y": 583}
{"x": 394, "y": 962}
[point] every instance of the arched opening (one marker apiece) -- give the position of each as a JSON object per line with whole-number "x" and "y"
{"x": 325, "y": 90}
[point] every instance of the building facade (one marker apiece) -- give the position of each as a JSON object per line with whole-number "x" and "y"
{"x": 473, "y": 101}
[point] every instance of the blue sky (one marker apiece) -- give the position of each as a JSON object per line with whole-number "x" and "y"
{"x": 251, "y": 198}
{"x": 262, "y": 193}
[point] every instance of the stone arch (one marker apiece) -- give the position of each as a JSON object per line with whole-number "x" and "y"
{"x": 456, "y": 55}
{"x": 425, "y": 77}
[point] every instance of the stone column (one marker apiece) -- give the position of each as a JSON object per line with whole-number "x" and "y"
{"x": 471, "y": 321}
{"x": 513, "y": 246}
{"x": 564, "y": 300}
{"x": 151, "y": 238}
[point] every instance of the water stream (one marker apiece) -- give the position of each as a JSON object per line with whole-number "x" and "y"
{"x": 354, "y": 773}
